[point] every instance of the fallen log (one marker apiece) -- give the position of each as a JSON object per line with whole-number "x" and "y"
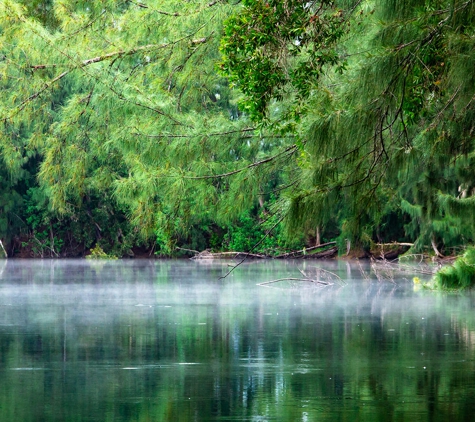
{"x": 390, "y": 250}
{"x": 329, "y": 253}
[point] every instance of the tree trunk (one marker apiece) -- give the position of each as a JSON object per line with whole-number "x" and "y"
{"x": 434, "y": 246}
{"x": 261, "y": 201}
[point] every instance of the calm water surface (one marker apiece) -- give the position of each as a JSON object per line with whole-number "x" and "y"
{"x": 169, "y": 341}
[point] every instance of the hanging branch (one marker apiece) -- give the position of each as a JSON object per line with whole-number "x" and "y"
{"x": 165, "y": 135}
{"x": 161, "y": 12}
{"x": 174, "y": 14}
{"x": 113, "y": 55}
{"x": 290, "y": 149}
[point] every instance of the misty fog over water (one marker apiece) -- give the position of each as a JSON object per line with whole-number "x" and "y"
{"x": 169, "y": 340}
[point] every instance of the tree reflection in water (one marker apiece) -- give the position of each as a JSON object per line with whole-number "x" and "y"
{"x": 168, "y": 340}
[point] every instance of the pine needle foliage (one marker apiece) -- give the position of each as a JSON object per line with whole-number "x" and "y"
{"x": 459, "y": 275}
{"x": 396, "y": 127}
{"x": 355, "y": 119}
{"x": 121, "y": 100}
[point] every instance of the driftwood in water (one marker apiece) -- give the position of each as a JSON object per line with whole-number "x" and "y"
{"x": 321, "y": 278}
{"x": 293, "y": 279}
{"x": 223, "y": 255}
{"x": 308, "y": 252}
{"x": 389, "y": 270}
{"x": 300, "y": 254}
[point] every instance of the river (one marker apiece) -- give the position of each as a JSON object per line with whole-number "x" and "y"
{"x": 148, "y": 340}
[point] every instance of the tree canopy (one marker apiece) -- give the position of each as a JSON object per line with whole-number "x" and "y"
{"x": 189, "y": 123}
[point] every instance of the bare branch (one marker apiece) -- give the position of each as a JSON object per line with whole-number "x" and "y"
{"x": 324, "y": 283}
{"x": 303, "y": 251}
{"x": 38, "y": 93}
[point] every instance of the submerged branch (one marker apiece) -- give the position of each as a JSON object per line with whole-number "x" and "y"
{"x": 387, "y": 270}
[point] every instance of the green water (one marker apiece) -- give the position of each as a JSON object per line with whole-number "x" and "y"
{"x": 169, "y": 341}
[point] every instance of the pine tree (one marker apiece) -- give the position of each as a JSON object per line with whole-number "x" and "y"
{"x": 392, "y": 134}
{"x": 357, "y": 115}
{"x": 124, "y": 106}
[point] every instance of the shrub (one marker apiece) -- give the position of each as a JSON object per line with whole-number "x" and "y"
{"x": 459, "y": 275}
{"x": 98, "y": 253}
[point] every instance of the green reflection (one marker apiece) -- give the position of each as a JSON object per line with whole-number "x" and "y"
{"x": 169, "y": 341}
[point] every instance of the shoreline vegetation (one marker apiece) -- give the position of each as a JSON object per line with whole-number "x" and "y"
{"x": 277, "y": 128}
{"x": 387, "y": 260}
{"x": 386, "y": 251}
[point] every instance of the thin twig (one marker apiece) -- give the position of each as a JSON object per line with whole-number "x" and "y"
{"x": 363, "y": 272}
{"x": 333, "y": 274}
{"x": 324, "y": 283}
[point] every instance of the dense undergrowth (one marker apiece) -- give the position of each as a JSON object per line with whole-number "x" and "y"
{"x": 459, "y": 275}
{"x": 161, "y": 128}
